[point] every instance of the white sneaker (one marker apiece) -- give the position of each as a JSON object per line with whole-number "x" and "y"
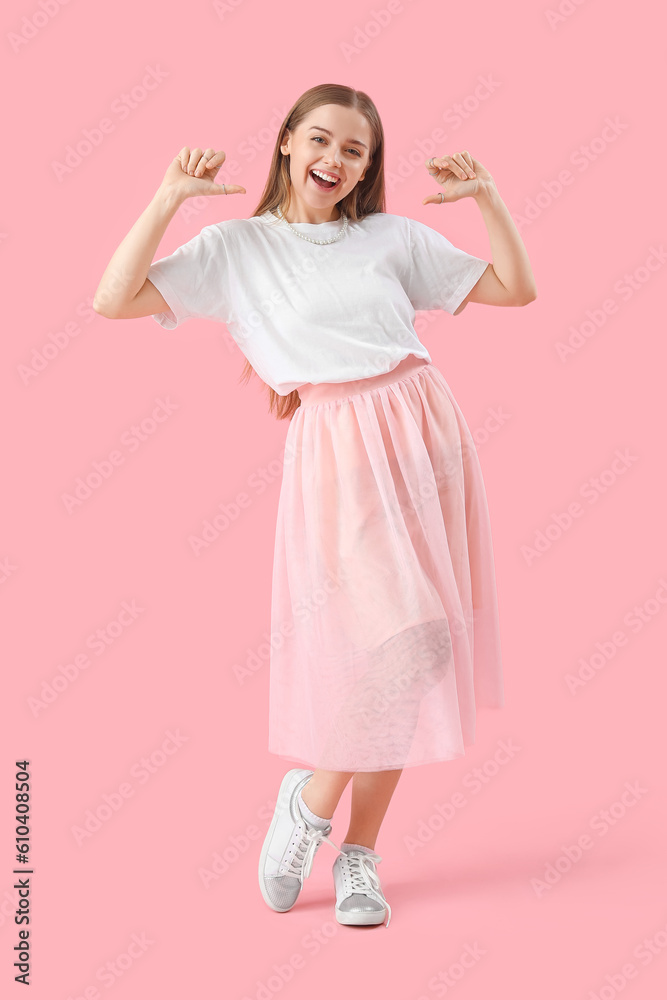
{"x": 289, "y": 846}
{"x": 359, "y": 898}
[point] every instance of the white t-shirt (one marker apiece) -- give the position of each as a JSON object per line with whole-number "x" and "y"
{"x": 301, "y": 312}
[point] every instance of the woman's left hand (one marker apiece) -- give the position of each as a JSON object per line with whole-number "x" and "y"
{"x": 459, "y": 176}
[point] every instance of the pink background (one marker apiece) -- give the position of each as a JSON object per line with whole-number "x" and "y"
{"x": 596, "y": 592}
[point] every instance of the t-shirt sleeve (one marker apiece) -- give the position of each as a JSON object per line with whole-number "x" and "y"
{"x": 193, "y": 280}
{"x": 440, "y": 274}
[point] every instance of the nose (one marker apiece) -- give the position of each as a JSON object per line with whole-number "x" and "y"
{"x": 333, "y": 158}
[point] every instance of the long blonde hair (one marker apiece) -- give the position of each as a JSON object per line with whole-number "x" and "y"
{"x": 366, "y": 197}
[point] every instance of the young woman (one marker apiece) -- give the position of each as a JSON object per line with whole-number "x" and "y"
{"x": 384, "y": 620}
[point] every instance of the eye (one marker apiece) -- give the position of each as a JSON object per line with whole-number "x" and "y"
{"x": 350, "y": 150}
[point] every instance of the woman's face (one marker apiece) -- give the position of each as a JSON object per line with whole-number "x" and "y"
{"x": 332, "y": 140}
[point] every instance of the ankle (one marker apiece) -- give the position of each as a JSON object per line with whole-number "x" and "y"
{"x": 351, "y": 845}
{"x": 317, "y": 806}
{"x": 309, "y": 814}
{"x": 361, "y": 841}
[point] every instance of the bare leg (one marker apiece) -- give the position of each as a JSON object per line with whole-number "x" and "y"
{"x": 371, "y": 794}
{"x": 322, "y": 792}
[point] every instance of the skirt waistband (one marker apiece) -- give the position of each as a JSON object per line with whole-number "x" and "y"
{"x": 311, "y": 393}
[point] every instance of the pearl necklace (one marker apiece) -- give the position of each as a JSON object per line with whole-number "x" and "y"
{"x": 310, "y": 239}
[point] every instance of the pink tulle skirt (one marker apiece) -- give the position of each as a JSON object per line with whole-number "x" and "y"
{"x": 384, "y": 619}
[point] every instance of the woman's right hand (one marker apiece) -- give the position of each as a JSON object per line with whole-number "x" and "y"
{"x": 192, "y": 173}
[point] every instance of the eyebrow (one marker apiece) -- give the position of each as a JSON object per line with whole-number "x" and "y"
{"x": 357, "y": 142}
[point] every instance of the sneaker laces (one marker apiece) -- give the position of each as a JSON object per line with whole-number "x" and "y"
{"x": 363, "y": 877}
{"x": 301, "y": 860}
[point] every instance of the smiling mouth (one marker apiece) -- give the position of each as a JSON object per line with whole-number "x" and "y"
{"x": 321, "y": 183}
